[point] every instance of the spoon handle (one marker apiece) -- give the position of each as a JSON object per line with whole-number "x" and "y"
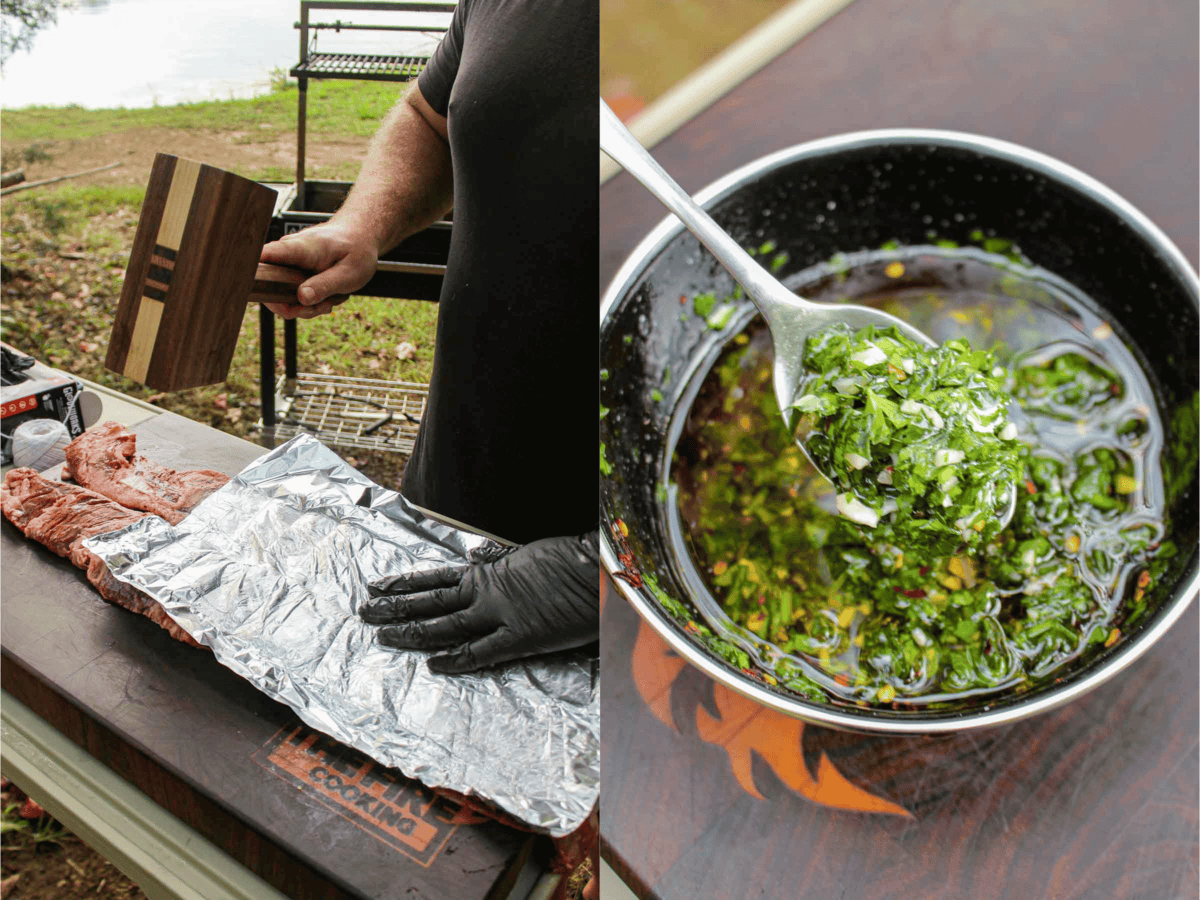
{"x": 623, "y": 147}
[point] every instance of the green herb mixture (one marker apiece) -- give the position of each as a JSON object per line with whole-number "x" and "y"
{"x": 837, "y": 614}
{"x": 917, "y": 441}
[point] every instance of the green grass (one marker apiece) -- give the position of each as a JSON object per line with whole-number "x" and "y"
{"x": 34, "y": 832}
{"x": 346, "y": 108}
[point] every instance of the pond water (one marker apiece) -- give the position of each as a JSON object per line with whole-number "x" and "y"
{"x": 140, "y": 53}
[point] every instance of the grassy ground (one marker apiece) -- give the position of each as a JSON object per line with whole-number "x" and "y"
{"x": 342, "y": 109}
{"x": 43, "y": 860}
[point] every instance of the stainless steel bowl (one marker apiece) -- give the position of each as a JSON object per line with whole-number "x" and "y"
{"x": 848, "y": 193}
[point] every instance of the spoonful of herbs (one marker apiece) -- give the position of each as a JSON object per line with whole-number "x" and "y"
{"x": 806, "y": 334}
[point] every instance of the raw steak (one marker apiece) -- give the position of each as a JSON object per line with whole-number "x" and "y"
{"x": 60, "y": 516}
{"x": 104, "y": 458}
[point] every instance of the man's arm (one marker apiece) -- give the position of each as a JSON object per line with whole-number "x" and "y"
{"x": 405, "y": 185}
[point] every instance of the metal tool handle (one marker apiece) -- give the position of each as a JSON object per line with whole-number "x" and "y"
{"x": 760, "y": 285}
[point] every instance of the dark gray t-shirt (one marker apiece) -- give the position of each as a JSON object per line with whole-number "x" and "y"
{"x": 510, "y": 428}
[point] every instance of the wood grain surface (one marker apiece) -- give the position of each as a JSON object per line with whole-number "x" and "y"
{"x": 312, "y": 817}
{"x": 705, "y": 794}
{"x": 190, "y": 272}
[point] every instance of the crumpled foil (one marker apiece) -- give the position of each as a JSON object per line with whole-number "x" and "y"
{"x": 270, "y": 572}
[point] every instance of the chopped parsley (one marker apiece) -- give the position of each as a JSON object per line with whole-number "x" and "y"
{"x": 917, "y": 441}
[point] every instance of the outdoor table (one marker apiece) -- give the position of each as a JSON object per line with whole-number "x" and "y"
{"x": 706, "y": 794}
{"x": 192, "y": 781}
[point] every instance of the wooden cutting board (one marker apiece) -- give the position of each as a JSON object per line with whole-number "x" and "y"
{"x": 190, "y": 273}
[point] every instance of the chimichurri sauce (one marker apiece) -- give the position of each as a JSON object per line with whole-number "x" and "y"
{"x": 837, "y": 616}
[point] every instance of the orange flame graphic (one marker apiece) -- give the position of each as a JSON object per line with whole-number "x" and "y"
{"x": 743, "y": 726}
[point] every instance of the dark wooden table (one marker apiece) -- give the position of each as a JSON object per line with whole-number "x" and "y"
{"x": 310, "y": 816}
{"x": 707, "y": 795}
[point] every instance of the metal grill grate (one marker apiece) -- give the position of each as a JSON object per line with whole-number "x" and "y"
{"x": 360, "y": 413}
{"x": 360, "y": 66}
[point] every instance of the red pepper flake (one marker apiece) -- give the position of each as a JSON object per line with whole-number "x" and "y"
{"x": 1143, "y": 578}
{"x": 924, "y": 570}
{"x": 915, "y": 593}
{"x": 632, "y": 578}
{"x": 897, "y": 589}
{"x": 1030, "y": 486}
{"x": 691, "y": 628}
{"x": 842, "y": 679}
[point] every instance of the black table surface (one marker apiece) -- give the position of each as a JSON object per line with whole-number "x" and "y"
{"x": 307, "y": 814}
{"x": 706, "y": 794}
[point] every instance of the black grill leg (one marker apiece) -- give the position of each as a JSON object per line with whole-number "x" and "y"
{"x": 266, "y": 360}
{"x": 289, "y": 349}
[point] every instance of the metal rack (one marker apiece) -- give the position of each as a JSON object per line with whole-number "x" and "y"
{"x": 364, "y": 413}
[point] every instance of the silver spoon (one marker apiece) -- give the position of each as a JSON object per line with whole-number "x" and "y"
{"x": 790, "y": 318}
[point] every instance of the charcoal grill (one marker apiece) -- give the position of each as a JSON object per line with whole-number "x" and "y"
{"x": 346, "y": 412}
{"x": 338, "y": 410}
{"x": 354, "y": 66}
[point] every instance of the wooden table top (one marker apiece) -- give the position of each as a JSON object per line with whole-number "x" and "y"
{"x": 309, "y": 815}
{"x": 706, "y": 794}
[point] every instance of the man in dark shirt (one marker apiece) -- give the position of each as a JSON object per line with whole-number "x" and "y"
{"x": 503, "y": 125}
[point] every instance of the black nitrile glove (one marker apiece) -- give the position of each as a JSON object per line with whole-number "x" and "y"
{"x": 542, "y": 597}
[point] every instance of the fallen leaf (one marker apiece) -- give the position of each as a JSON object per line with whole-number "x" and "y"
{"x": 58, "y": 296}
{"x": 406, "y": 351}
{"x": 88, "y": 346}
{"x": 221, "y": 401}
{"x": 373, "y": 364}
{"x": 154, "y": 398}
{"x": 234, "y": 415}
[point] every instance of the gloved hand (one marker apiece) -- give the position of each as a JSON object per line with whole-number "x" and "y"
{"x": 542, "y": 597}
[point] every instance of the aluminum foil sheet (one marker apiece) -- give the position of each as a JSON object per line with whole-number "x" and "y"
{"x": 270, "y": 572}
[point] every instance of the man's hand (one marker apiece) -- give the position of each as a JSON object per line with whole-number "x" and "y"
{"x": 542, "y": 597}
{"x": 406, "y": 183}
{"x": 343, "y": 259}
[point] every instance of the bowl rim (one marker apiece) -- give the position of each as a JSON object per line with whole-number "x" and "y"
{"x": 917, "y": 723}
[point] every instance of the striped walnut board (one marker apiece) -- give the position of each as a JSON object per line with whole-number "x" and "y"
{"x": 191, "y": 271}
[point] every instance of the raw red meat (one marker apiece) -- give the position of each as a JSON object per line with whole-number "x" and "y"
{"x": 104, "y": 458}
{"x": 60, "y": 516}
